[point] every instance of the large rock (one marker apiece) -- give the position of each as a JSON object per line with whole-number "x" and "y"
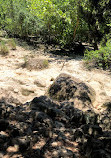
{"x": 66, "y": 87}
{"x": 104, "y": 120}
{"x": 44, "y": 128}
{"x": 42, "y": 123}
{"x": 97, "y": 148}
{"x": 46, "y": 105}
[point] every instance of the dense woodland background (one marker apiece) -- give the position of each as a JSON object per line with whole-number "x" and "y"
{"x": 63, "y": 22}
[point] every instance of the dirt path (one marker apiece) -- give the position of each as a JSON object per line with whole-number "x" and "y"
{"x": 21, "y": 85}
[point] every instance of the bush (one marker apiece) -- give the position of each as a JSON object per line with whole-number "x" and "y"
{"x": 100, "y": 58}
{"x": 12, "y": 44}
{"x": 35, "y": 63}
{"x": 3, "y": 33}
{"x": 3, "y": 49}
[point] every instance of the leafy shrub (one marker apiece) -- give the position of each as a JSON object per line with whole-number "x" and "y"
{"x": 12, "y": 44}
{"x": 101, "y": 57}
{"x": 3, "y": 49}
{"x": 3, "y": 33}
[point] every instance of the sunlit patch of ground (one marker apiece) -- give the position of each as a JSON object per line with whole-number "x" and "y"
{"x": 24, "y": 84}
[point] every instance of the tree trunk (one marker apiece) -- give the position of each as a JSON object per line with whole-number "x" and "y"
{"x": 95, "y": 46}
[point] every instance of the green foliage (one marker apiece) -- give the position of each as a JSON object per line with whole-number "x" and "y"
{"x": 54, "y": 20}
{"x": 101, "y": 57}
{"x": 3, "y": 49}
{"x": 97, "y": 15}
{"x": 3, "y": 33}
{"x": 45, "y": 63}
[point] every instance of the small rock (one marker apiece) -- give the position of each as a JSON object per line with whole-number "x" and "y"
{"x": 92, "y": 130}
{"x": 90, "y": 117}
{"x": 39, "y": 83}
{"x": 15, "y": 132}
{"x": 16, "y": 90}
{"x": 62, "y": 152}
{"x": 107, "y": 104}
{"x": 22, "y": 142}
{"x": 3, "y": 125}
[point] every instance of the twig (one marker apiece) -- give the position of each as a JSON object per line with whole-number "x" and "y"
{"x": 63, "y": 64}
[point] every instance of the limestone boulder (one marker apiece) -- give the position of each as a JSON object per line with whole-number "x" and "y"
{"x": 67, "y": 88}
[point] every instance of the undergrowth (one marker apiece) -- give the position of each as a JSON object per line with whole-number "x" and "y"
{"x": 100, "y": 58}
{"x": 3, "y": 49}
{"x": 12, "y": 44}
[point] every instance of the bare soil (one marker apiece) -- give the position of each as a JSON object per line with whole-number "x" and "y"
{"x": 20, "y": 85}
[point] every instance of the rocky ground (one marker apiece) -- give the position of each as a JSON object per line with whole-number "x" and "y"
{"x": 35, "y": 125}
{"x": 43, "y": 128}
{"x": 15, "y": 80}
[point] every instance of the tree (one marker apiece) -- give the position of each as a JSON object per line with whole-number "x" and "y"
{"x": 95, "y": 13}
{"x": 63, "y": 21}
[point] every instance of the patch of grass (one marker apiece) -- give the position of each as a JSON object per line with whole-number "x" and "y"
{"x": 12, "y": 44}
{"x": 35, "y": 63}
{"x": 3, "y": 49}
{"x": 45, "y": 63}
{"x": 25, "y": 58}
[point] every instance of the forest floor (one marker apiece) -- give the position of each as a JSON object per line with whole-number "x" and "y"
{"x": 19, "y": 85}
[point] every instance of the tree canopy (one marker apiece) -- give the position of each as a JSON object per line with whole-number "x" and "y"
{"x": 61, "y": 21}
